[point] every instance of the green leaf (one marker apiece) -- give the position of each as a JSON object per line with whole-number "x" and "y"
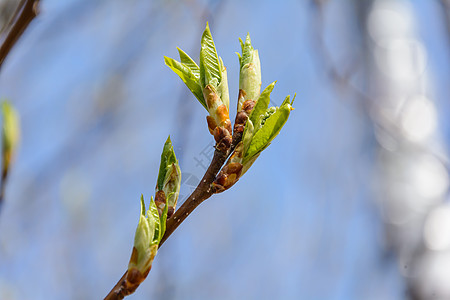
{"x": 190, "y": 63}
{"x": 222, "y": 89}
{"x": 288, "y": 101}
{"x": 247, "y": 135}
{"x": 163, "y": 220}
{"x": 249, "y": 73}
{"x": 167, "y": 159}
{"x": 261, "y": 104}
{"x": 169, "y": 177}
{"x": 153, "y": 218}
{"x": 242, "y": 44}
{"x": 188, "y": 76}
{"x": 247, "y": 51}
{"x": 172, "y": 184}
{"x": 262, "y": 138}
{"x": 210, "y": 70}
{"x": 144, "y": 231}
{"x": 145, "y": 247}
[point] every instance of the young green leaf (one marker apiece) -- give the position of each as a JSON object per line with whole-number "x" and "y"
{"x": 167, "y": 159}
{"x": 153, "y": 217}
{"x": 190, "y": 63}
{"x": 247, "y": 50}
{"x": 144, "y": 231}
{"x": 272, "y": 126}
{"x": 222, "y": 89}
{"x": 163, "y": 219}
{"x": 169, "y": 177}
{"x": 247, "y": 135}
{"x": 250, "y": 73}
{"x": 144, "y": 248}
{"x": 261, "y": 104}
{"x": 188, "y": 76}
{"x": 172, "y": 184}
{"x": 210, "y": 69}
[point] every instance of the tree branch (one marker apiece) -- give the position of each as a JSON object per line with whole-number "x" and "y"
{"x": 24, "y": 14}
{"x": 203, "y": 191}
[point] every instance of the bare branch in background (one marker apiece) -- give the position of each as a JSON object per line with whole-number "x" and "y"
{"x": 341, "y": 80}
{"x": 25, "y": 13}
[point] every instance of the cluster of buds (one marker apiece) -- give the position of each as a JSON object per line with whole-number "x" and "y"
{"x": 209, "y": 83}
{"x": 258, "y": 123}
{"x": 255, "y": 122}
{"x": 152, "y": 222}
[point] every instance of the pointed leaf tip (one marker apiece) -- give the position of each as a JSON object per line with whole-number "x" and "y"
{"x": 210, "y": 71}
{"x": 142, "y": 205}
{"x": 292, "y": 102}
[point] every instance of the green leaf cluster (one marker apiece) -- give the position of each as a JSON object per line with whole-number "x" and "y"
{"x": 152, "y": 225}
{"x": 210, "y": 72}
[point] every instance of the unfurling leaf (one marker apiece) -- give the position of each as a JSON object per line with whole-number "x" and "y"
{"x": 209, "y": 83}
{"x": 250, "y": 73}
{"x": 266, "y": 129}
{"x": 189, "y": 76}
{"x": 210, "y": 65}
{"x": 145, "y": 244}
{"x": 169, "y": 180}
{"x": 190, "y": 63}
{"x": 262, "y": 103}
{"x": 222, "y": 89}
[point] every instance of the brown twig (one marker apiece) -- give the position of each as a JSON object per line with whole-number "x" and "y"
{"x": 203, "y": 191}
{"x": 24, "y": 14}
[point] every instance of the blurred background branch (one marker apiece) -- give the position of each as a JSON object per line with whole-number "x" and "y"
{"x": 25, "y": 12}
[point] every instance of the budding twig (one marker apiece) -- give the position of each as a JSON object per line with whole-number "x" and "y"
{"x": 255, "y": 127}
{"x": 203, "y": 191}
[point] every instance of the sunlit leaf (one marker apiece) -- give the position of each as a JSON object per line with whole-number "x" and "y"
{"x": 272, "y": 126}
{"x": 190, "y": 63}
{"x": 163, "y": 220}
{"x": 144, "y": 231}
{"x": 153, "y": 217}
{"x": 261, "y": 104}
{"x": 188, "y": 76}
{"x": 210, "y": 70}
{"x": 249, "y": 73}
{"x": 247, "y": 51}
{"x": 167, "y": 159}
{"x": 222, "y": 89}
